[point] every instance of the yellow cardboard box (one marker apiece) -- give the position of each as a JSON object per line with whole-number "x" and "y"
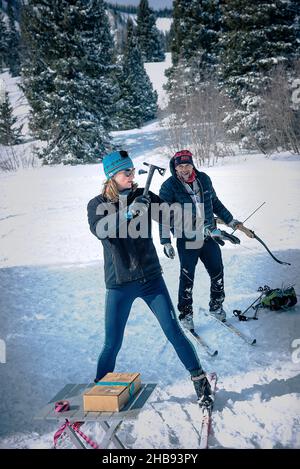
{"x": 112, "y": 392}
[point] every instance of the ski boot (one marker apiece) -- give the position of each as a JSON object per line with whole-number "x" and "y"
{"x": 216, "y": 310}
{"x": 203, "y": 389}
{"x": 186, "y": 317}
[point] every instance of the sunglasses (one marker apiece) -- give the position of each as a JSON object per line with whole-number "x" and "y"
{"x": 129, "y": 172}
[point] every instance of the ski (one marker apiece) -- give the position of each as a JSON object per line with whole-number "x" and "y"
{"x": 210, "y": 351}
{"x": 230, "y": 327}
{"x": 207, "y": 414}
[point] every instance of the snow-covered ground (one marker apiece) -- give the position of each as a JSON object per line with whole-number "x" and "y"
{"x": 52, "y": 302}
{"x": 157, "y": 76}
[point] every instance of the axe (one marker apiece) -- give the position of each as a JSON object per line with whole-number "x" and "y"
{"x": 152, "y": 169}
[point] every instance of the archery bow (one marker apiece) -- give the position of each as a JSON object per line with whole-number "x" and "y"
{"x": 251, "y": 234}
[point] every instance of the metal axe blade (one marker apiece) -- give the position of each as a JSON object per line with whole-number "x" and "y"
{"x": 152, "y": 169}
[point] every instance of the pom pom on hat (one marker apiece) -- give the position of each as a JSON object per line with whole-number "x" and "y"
{"x": 115, "y": 162}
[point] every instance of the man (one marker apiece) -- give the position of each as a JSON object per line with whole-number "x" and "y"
{"x": 187, "y": 185}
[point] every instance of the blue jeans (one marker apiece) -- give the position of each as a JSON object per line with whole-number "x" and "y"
{"x": 210, "y": 255}
{"x": 118, "y": 304}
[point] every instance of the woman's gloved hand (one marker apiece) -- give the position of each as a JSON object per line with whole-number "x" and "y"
{"x": 139, "y": 206}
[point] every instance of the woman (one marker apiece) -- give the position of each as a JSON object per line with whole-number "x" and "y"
{"x": 132, "y": 268}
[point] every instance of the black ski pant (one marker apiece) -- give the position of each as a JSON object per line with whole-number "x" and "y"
{"x": 210, "y": 255}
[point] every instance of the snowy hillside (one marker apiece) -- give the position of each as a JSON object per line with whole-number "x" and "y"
{"x": 52, "y": 301}
{"x": 118, "y": 22}
{"x": 17, "y": 99}
{"x": 162, "y": 24}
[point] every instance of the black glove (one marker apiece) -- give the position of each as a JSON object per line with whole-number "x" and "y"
{"x": 230, "y": 237}
{"x": 212, "y": 232}
{"x": 220, "y": 236}
{"x": 139, "y": 206}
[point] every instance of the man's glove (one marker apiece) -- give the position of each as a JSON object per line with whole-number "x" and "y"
{"x": 207, "y": 230}
{"x": 230, "y": 237}
{"x": 212, "y": 232}
{"x": 235, "y": 224}
{"x": 169, "y": 251}
{"x": 139, "y": 206}
{"x": 219, "y": 236}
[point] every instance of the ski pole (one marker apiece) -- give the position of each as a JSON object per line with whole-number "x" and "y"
{"x": 241, "y": 315}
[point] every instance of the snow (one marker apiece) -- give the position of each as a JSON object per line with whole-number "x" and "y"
{"x": 156, "y": 72}
{"x": 164, "y": 24}
{"x": 52, "y": 297}
{"x": 18, "y": 102}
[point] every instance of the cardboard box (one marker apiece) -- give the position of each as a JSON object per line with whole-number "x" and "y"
{"x": 106, "y": 396}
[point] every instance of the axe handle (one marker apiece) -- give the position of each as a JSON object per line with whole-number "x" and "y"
{"x": 149, "y": 179}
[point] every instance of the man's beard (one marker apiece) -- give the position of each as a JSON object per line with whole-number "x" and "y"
{"x": 188, "y": 178}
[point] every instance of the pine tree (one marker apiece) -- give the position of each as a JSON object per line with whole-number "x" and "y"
{"x": 194, "y": 46}
{"x": 137, "y": 101}
{"x": 257, "y": 36}
{"x": 68, "y": 78}
{"x": 18, "y": 7}
{"x": 196, "y": 26}
{"x": 3, "y": 43}
{"x": 118, "y": 25}
{"x": 13, "y": 41}
{"x": 148, "y": 35}
{"x": 9, "y": 133}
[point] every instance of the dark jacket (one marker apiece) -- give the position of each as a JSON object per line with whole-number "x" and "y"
{"x": 172, "y": 190}
{"x": 126, "y": 259}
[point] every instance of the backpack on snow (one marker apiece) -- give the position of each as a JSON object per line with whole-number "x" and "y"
{"x": 279, "y": 298}
{"x": 275, "y": 299}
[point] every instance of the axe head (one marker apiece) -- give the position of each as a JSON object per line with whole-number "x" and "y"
{"x": 154, "y": 167}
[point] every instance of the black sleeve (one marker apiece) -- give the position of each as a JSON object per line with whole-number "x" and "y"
{"x": 155, "y": 198}
{"x": 164, "y": 227}
{"x": 166, "y": 193}
{"x": 97, "y": 211}
{"x": 92, "y": 217}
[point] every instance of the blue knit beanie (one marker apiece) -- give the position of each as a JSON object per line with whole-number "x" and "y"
{"x": 115, "y": 162}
